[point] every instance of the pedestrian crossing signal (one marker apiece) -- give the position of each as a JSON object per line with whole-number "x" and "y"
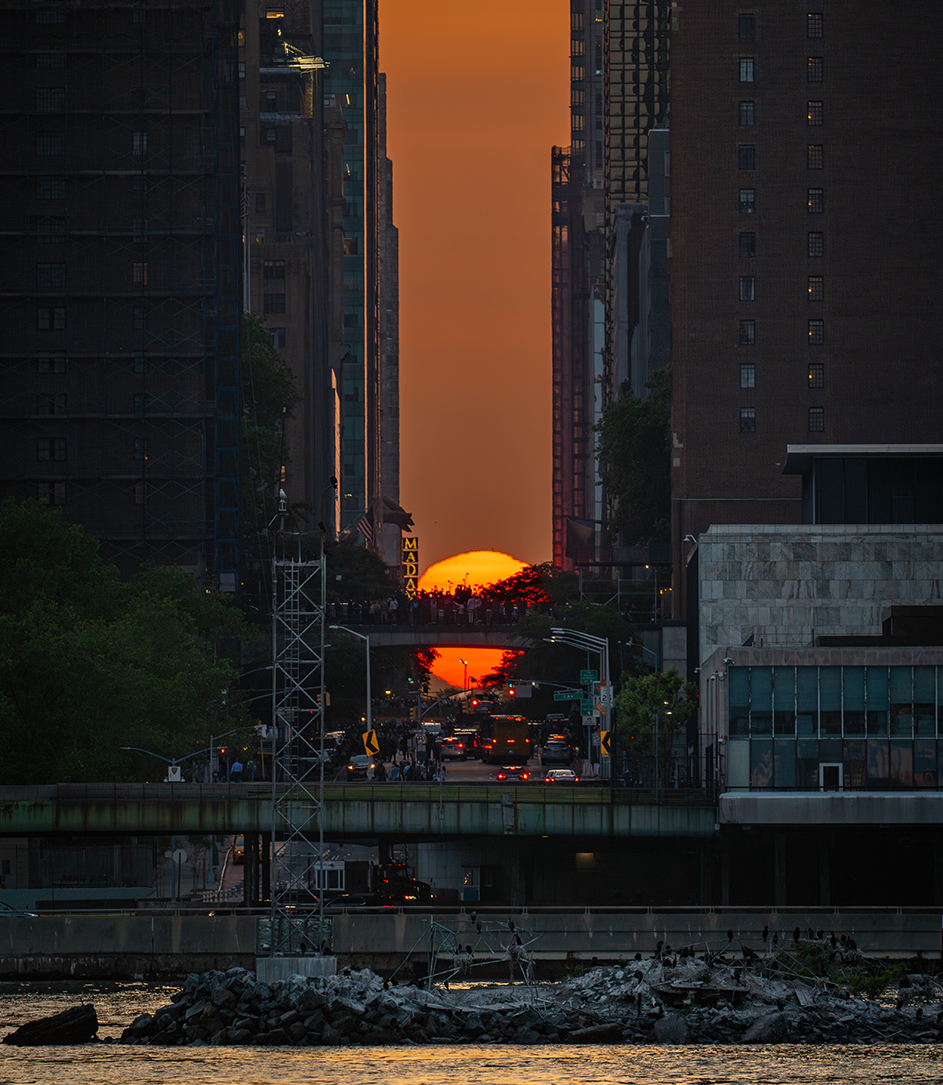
{"x": 370, "y": 744}
{"x": 605, "y": 743}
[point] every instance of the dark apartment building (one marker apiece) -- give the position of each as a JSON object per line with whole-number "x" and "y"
{"x": 121, "y": 278}
{"x": 806, "y": 234}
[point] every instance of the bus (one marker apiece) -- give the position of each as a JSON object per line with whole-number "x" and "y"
{"x": 504, "y": 738}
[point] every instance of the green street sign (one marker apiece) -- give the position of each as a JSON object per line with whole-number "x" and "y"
{"x": 586, "y": 708}
{"x": 567, "y": 696}
{"x": 588, "y": 678}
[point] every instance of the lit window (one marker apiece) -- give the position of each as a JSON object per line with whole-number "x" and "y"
{"x": 814, "y": 24}
{"x": 815, "y": 156}
{"x": 816, "y": 288}
{"x": 815, "y": 69}
{"x": 748, "y": 244}
{"x": 746, "y": 69}
{"x": 747, "y": 201}
{"x": 816, "y": 374}
{"x": 747, "y": 375}
{"x": 746, "y": 26}
{"x": 260, "y": 235}
{"x": 747, "y": 156}
{"x": 816, "y": 420}
{"x": 816, "y": 201}
{"x": 816, "y": 244}
{"x": 139, "y": 273}
{"x": 815, "y": 113}
{"x": 747, "y": 288}
{"x": 747, "y": 114}
{"x": 747, "y": 333}
{"x": 748, "y": 420}
{"x": 816, "y": 333}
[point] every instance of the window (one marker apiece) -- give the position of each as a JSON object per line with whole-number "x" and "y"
{"x": 50, "y": 493}
{"x": 50, "y": 143}
{"x": 816, "y": 332}
{"x": 259, "y": 203}
{"x": 138, "y": 97}
{"x": 140, "y": 448}
{"x": 816, "y": 288}
{"x": 50, "y": 60}
{"x": 746, "y": 69}
{"x": 577, "y": 47}
{"x": 747, "y": 198}
{"x": 746, "y": 26}
{"x": 278, "y": 337}
{"x": 814, "y": 69}
{"x": 747, "y": 333}
{"x": 747, "y": 114}
{"x": 140, "y": 493}
{"x": 273, "y": 303}
{"x": 50, "y": 99}
{"x": 816, "y": 374}
{"x": 747, "y": 288}
{"x": 50, "y": 276}
{"x": 50, "y": 230}
{"x": 273, "y": 269}
{"x": 350, "y": 246}
{"x": 816, "y": 244}
{"x": 816, "y": 201}
{"x": 260, "y": 235}
{"x": 50, "y": 319}
{"x": 815, "y": 114}
{"x": 51, "y": 405}
{"x": 141, "y": 400}
{"x": 748, "y": 420}
{"x": 139, "y": 317}
{"x": 747, "y": 375}
{"x": 139, "y": 142}
{"x": 748, "y": 244}
{"x": 50, "y": 188}
{"x": 747, "y": 156}
{"x": 814, "y": 24}
{"x": 139, "y": 274}
{"x": 50, "y": 448}
{"x": 51, "y": 13}
{"x": 815, "y": 156}
{"x": 816, "y": 420}
{"x": 50, "y": 365}
{"x": 139, "y": 227}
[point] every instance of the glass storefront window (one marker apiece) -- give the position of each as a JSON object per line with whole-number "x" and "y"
{"x": 807, "y": 763}
{"x": 853, "y": 700}
{"x": 902, "y": 763}
{"x": 925, "y": 770}
{"x": 761, "y": 763}
{"x": 879, "y": 762}
{"x": 854, "y": 762}
{"x": 784, "y": 763}
{"x": 784, "y": 702}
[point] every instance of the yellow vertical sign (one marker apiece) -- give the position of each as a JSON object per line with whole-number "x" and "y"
{"x": 410, "y": 565}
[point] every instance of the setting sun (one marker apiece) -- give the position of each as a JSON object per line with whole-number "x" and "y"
{"x": 476, "y": 570}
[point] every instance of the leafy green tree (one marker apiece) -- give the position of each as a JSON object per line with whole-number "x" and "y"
{"x": 654, "y": 705}
{"x": 538, "y": 586}
{"x": 356, "y": 574}
{"x": 634, "y": 453}
{"x": 89, "y": 663}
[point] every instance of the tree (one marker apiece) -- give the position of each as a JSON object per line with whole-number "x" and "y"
{"x": 89, "y": 663}
{"x": 651, "y": 713}
{"x": 539, "y": 587}
{"x": 634, "y": 453}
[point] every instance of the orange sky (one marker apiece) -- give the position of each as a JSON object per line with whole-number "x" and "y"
{"x": 478, "y": 92}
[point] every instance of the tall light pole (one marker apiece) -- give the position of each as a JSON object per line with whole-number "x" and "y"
{"x": 576, "y": 638}
{"x": 363, "y": 637}
{"x": 464, "y": 663}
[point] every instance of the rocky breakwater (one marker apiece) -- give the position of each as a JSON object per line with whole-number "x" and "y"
{"x": 659, "y": 1000}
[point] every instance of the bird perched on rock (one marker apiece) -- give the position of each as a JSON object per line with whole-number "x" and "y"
{"x": 749, "y": 954}
{"x": 796, "y": 934}
{"x": 510, "y": 924}
{"x": 729, "y": 935}
{"x": 765, "y": 933}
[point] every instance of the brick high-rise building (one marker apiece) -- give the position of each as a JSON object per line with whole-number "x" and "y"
{"x": 807, "y": 238}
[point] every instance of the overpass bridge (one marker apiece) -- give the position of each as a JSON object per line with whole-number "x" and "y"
{"x": 353, "y": 812}
{"x": 441, "y": 635}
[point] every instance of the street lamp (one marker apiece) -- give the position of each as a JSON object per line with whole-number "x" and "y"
{"x": 576, "y": 638}
{"x": 363, "y": 637}
{"x": 464, "y": 663}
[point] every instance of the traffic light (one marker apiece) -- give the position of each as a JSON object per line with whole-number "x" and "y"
{"x": 512, "y": 692}
{"x": 414, "y": 715}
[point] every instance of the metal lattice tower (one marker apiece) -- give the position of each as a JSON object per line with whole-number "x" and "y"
{"x": 298, "y": 587}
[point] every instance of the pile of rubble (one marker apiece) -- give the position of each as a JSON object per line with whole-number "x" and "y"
{"x": 707, "y": 1000}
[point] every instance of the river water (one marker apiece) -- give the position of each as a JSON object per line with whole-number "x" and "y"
{"x": 550, "y": 1064}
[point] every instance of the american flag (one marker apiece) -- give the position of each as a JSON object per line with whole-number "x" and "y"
{"x": 244, "y": 203}
{"x": 365, "y": 526}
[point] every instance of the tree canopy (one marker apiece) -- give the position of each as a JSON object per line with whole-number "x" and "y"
{"x": 90, "y": 663}
{"x": 634, "y": 461}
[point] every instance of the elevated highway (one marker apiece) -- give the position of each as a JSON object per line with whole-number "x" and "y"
{"x": 378, "y": 812}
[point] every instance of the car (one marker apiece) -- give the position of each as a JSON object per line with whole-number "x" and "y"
{"x": 561, "y": 776}
{"x": 556, "y": 751}
{"x": 453, "y": 748}
{"x": 361, "y": 765}
{"x": 9, "y": 912}
{"x": 470, "y": 737}
{"x": 512, "y": 776}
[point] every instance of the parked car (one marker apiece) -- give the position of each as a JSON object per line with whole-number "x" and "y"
{"x": 452, "y": 747}
{"x": 512, "y": 776}
{"x": 359, "y": 766}
{"x": 561, "y": 776}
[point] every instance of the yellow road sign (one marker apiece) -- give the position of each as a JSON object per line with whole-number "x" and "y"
{"x": 605, "y": 743}
{"x": 370, "y": 744}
